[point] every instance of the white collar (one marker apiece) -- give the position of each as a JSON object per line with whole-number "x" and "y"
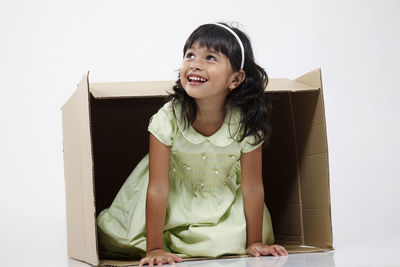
{"x": 222, "y": 137}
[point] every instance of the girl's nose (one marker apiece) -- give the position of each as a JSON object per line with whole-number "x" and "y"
{"x": 195, "y": 64}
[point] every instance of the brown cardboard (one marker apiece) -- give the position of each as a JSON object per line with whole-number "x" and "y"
{"x": 78, "y": 170}
{"x": 105, "y": 136}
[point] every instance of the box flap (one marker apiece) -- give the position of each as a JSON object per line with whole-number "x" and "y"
{"x": 160, "y": 88}
{"x": 312, "y": 78}
{"x": 78, "y": 174}
{"x": 312, "y": 152}
{"x": 130, "y": 89}
{"x": 286, "y": 85}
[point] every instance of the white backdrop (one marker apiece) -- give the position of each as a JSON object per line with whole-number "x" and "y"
{"x": 46, "y": 46}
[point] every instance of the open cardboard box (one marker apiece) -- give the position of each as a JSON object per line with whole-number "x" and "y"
{"x": 105, "y": 136}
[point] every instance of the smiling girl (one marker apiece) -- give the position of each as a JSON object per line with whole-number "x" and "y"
{"x": 200, "y": 186}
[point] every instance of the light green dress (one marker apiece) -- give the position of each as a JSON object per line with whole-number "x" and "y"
{"x": 205, "y": 214}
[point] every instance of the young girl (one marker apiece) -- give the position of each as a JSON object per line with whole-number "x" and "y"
{"x": 200, "y": 186}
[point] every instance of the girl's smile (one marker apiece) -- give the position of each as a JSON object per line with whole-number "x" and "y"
{"x": 195, "y": 80}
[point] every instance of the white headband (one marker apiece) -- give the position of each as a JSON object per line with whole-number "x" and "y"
{"x": 238, "y": 39}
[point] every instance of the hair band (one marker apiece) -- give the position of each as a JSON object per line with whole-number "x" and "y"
{"x": 237, "y": 38}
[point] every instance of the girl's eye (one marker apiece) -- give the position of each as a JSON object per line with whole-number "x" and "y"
{"x": 189, "y": 55}
{"x": 211, "y": 58}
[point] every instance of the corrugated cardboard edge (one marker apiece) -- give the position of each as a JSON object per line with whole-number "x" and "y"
{"x": 78, "y": 172}
{"x": 161, "y": 88}
{"x": 314, "y": 79}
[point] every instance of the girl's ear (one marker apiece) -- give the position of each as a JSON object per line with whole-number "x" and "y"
{"x": 238, "y": 78}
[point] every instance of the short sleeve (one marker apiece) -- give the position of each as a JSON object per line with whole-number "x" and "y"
{"x": 161, "y": 125}
{"x": 245, "y": 145}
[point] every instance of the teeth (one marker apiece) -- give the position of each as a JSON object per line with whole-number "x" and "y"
{"x": 197, "y": 79}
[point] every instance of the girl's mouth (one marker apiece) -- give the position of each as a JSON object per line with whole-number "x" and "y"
{"x": 196, "y": 80}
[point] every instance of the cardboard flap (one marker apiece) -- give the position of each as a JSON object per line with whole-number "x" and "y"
{"x": 312, "y": 151}
{"x": 286, "y": 85}
{"x": 130, "y": 89}
{"x": 312, "y": 78}
{"x": 78, "y": 173}
{"x": 160, "y": 88}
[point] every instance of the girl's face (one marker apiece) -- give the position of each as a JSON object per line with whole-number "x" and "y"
{"x": 206, "y": 73}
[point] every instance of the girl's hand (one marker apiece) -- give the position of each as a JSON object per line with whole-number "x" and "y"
{"x": 159, "y": 257}
{"x": 257, "y": 248}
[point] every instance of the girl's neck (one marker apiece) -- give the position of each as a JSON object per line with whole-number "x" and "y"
{"x": 210, "y": 112}
{"x": 210, "y": 117}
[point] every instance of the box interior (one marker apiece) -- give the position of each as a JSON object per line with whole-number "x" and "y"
{"x": 293, "y": 163}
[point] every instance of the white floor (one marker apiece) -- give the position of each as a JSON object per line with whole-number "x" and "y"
{"x": 351, "y": 256}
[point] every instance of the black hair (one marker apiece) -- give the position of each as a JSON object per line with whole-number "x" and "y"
{"x": 248, "y": 96}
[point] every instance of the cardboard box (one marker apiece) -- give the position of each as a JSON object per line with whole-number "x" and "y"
{"x": 105, "y": 136}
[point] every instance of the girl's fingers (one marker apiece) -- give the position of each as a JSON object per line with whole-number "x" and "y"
{"x": 143, "y": 262}
{"x": 265, "y": 250}
{"x": 254, "y": 252}
{"x": 167, "y": 259}
{"x": 154, "y": 262}
{"x": 159, "y": 260}
{"x": 281, "y": 252}
{"x": 176, "y": 258}
{"x": 284, "y": 251}
{"x": 273, "y": 251}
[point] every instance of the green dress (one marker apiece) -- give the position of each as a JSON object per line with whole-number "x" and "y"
{"x": 205, "y": 214}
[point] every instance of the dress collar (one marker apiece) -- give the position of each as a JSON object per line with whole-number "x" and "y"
{"x": 222, "y": 137}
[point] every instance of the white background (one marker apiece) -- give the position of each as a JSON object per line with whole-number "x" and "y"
{"x": 47, "y": 46}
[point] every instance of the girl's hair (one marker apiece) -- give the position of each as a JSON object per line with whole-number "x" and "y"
{"x": 248, "y": 96}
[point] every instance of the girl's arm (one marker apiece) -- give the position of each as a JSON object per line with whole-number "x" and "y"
{"x": 157, "y": 193}
{"x": 156, "y": 204}
{"x": 253, "y": 193}
{"x": 253, "y": 201}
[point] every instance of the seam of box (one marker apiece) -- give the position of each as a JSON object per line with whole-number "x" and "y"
{"x": 93, "y": 172}
{"x": 327, "y": 158}
{"x": 314, "y": 89}
{"x": 83, "y": 210}
{"x": 297, "y": 166}
{"x": 128, "y": 97}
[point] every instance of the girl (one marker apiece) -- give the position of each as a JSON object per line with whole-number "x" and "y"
{"x": 200, "y": 186}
